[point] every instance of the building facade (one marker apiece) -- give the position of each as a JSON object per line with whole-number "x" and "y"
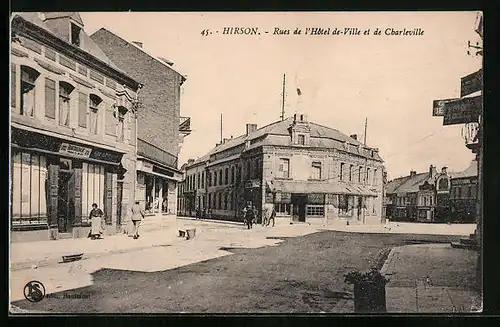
{"x": 463, "y": 194}
{"x": 311, "y": 173}
{"x": 160, "y": 128}
{"x": 73, "y": 125}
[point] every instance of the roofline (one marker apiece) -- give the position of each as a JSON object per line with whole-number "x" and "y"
{"x": 183, "y": 77}
{"x": 48, "y": 37}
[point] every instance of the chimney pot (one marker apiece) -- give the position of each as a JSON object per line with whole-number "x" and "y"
{"x": 354, "y": 136}
{"x": 139, "y": 44}
{"x": 251, "y": 128}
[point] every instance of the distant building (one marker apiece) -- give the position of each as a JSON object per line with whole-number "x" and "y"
{"x": 160, "y": 128}
{"x": 463, "y": 194}
{"x": 310, "y": 172}
{"x": 73, "y": 118}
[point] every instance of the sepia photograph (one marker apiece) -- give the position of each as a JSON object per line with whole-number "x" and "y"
{"x": 246, "y": 162}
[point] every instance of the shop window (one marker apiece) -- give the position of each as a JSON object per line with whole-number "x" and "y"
{"x": 29, "y": 77}
{"x": 282, "y": 208}
{"x": 164, "y": 202}
{"x": 315, "y": 210}
{"x": 29, "y": 189}
{"x": 13, "y": 85}
{"x": 50, "y": 98}
{"x": 284, "y": 168}
{"x": 92, "y": 188}
{"x": 95, "y": 101}
{"x": 316, "y": 170}
{"x": 209, "y": 200}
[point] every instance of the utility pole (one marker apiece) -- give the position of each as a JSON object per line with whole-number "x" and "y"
{"x": 221, "y": 128}
{"x": 364, "y": 136}
{"x": 283, "y": 99}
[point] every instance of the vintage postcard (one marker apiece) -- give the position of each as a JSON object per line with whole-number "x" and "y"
{"x": 246, "y": 162}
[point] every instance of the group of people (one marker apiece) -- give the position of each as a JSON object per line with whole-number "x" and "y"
{"x": 250, "y": 215}
{"x": 96, "y": 218}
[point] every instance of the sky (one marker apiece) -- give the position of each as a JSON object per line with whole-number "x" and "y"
{"x": 390, "y": 81}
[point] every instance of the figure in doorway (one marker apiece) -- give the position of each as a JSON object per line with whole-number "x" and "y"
{"x": 137, "y": 217}
{"x": 95, "y": 217}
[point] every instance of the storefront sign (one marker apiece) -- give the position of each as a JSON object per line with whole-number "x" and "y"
{"x": 438, "y": 106}
{"x": 471, "y": 83}
{"x": 75, "y": 150}
{"x": 104, "y": 155}
{"x": 463, "y": 181}
{"x": 463, "y": 111}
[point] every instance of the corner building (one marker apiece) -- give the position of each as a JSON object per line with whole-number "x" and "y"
{"x": 311, "y": 173}
{"x": 160, "y": 128}
{"x": 73, "y": 119}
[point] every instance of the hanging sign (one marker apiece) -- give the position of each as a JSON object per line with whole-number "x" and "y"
{"x": 471, "y": 83}
{"x": 438, "y": 106}
{"x": 75, "y": 150}
{"x": 463, "y": 111}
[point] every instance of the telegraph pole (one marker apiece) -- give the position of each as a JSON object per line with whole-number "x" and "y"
{"x": 366, "y": 125}
{"x": 283, "y": 99}
{"x": 221, "y": 128}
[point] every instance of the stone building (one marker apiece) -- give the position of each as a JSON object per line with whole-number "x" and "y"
{"x": 463, "y": 194}
{"x": 310, "y": 172}
{"x": 73, "y": 126}
{"x": 160, "y": 128}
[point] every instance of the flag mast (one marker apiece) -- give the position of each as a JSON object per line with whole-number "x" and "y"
{"x": 366, "y": 123}
{"x": 283, "y": 99}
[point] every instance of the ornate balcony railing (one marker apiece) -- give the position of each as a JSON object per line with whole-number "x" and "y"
{"x": 153, "y": 152}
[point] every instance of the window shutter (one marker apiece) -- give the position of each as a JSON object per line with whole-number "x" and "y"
{"x": 108, "y": 198}
{"x": 53, "y": 194}
{"x": 13, "y": 85}
{"x": 78, "y": 177}
{"x": 82, "y": 110}
{"x": 50, "y": 98}
{"x": 110, "y": 120}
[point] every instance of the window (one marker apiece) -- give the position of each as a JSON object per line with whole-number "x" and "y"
{"x": 209, "y": 179}
{"x": 209, "y": 200}
{"x": 82, "y": 109}
{"x": 341, "y": 176}
{"x": 226, "y": 176}
{"x": 92, "y": 188}
{"x": 316, "y": 170}
{"x": 367, "y": 181}
{"x": 199, "y": 180}
{"x": 282, "y": 208}
{"x": 50, "y": 98}
{"x": 120, "y": 127}
{"x": 215, "y": 178}
{"x": 220, "y": 201}
{"x": 459, "y": 192}
{"x": 238, "y": 174}
{"x": 65, "y": 91}
{"x": 202, "y": 179}
{"x": 315, "y": 210}
{"x": 248, "y": 169}
{"x": 284, "y": 168}
{"x": 28, "y": 88}
{"x": 425, "y": 201}
{"x": 13, "y": 84}
{"x": 29, "y": 189}
{"x": 350, "y": 173}
{"x": 301, "y": 139}
{"x": 95, "y": 101}
{"x": 110, "y": 120}
{"x": 375, "y": 177}
{"x": 75, "y": 34}
{"x": 430, "y": 200}
{"x": 361, "y": 174}
{"x": 443, "y": 184}
{"x": 225, "y": 202}
{"x": 220, "y": 177}
{"x": 233, "y": 173}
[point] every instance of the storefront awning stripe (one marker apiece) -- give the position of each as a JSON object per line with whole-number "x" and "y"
{"x": 177, "y": 179}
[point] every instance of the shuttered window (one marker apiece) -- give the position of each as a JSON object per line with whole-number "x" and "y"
{"x": 50, "y": 98}
{"x": 13, "y": 85}
{"x": 82, "y": 109}
{"x": 65, "y": 91}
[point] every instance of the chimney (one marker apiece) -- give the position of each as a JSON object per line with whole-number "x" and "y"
{"x": 444, "y": 170}
{"x": 413, "y": 173}
{"x": 139, "y": 44}
{"x": 251, "y": 128}
{"x": 432, "y": 170}
{"x": 354, "y": 136}
{"x": 190, "y": 161}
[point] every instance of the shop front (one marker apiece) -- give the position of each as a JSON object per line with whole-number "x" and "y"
{"x": 157, "y": 188}
{"x": 56, "y": 181}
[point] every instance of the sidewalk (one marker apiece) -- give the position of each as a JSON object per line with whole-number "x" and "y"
{"x": 431, "y": 278}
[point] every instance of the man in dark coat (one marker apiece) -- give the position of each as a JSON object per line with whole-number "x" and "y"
{"x": 249, "y": 216}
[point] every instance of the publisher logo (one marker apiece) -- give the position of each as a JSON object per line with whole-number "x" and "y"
{"x": 34, "y": 291}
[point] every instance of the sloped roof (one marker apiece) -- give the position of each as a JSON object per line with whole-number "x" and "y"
{"x": 410, "y": 184}
{"x": 321, "y": 136}
{"x": 395, "y": 183}
{"x": 87, "y": 44}
{"x": 470, "y": 171}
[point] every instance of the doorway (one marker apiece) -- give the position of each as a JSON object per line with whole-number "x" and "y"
{"x": 119, "y": 198}
{"x": 65, "y": 204}
{"x": 299, "y": 202}
{"x": 360, "y": 208}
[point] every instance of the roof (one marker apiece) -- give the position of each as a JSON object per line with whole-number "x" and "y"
{"x": 470, "y": 171}
{"x": 163, "y": 61}
{"x": 87, "y": 44}
{"x": 321, "y": 136}
{"x": 407, "y": 184}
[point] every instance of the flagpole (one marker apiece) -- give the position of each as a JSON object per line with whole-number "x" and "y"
{"x": 221, "y": 127}
{"x": 283, "y": 99}
{"x": 366, "y": 123}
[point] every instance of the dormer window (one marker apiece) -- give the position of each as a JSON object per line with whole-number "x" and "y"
{"x": 301, "y": 139}
{"x": 75, "y": 34}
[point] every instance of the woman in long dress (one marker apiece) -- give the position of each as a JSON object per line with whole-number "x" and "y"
{"x": 95, "y": 217}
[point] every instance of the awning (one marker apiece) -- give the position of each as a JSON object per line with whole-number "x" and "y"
{"x": 318, "y": 187}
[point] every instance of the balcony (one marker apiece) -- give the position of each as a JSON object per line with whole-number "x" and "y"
{"x": 153, "y": 152}
{"x": 185, "y": 126}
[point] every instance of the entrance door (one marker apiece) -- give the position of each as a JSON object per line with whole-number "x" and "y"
{"x": 64, "y": 212}
{"x": 360, "y": 207}
{"x": 119, "y": 197}
{"x": 299, "y": 202}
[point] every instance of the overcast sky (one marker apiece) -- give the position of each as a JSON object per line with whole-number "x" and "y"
{"x": 391, "y": 80}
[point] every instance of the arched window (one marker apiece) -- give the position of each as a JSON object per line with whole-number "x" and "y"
{"x": 65, "y": 90}
{"x": 94, "y": 103}
{"x": 28, "y": 89}
{"x": 443, "y": 184}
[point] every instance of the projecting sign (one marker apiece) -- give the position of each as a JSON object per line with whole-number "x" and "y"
{"x": 463, "y": 111}
{"x": 438, "y": 106}
{"x": 471, "y": 83}
{"x": 75, "y": 150}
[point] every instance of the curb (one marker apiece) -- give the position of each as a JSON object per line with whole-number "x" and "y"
{"x": 213, "y": 221}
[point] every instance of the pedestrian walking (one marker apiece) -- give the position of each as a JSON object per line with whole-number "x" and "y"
{"x": 137, "y": 217}
{"x": 249, "y": 216}
{"x": 95, "y": 217}
{"x": 272, "y": 215}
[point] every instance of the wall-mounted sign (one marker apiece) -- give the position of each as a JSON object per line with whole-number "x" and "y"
{"x": 471, "y": 83}
{"x": 438, "y": 106}
{"x": 463, "y": 111}
{"x": 75, "y": 150}
{"x": 104, "y": 155}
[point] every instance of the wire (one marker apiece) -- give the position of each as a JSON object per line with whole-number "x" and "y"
{"x": 416, "y": 142}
